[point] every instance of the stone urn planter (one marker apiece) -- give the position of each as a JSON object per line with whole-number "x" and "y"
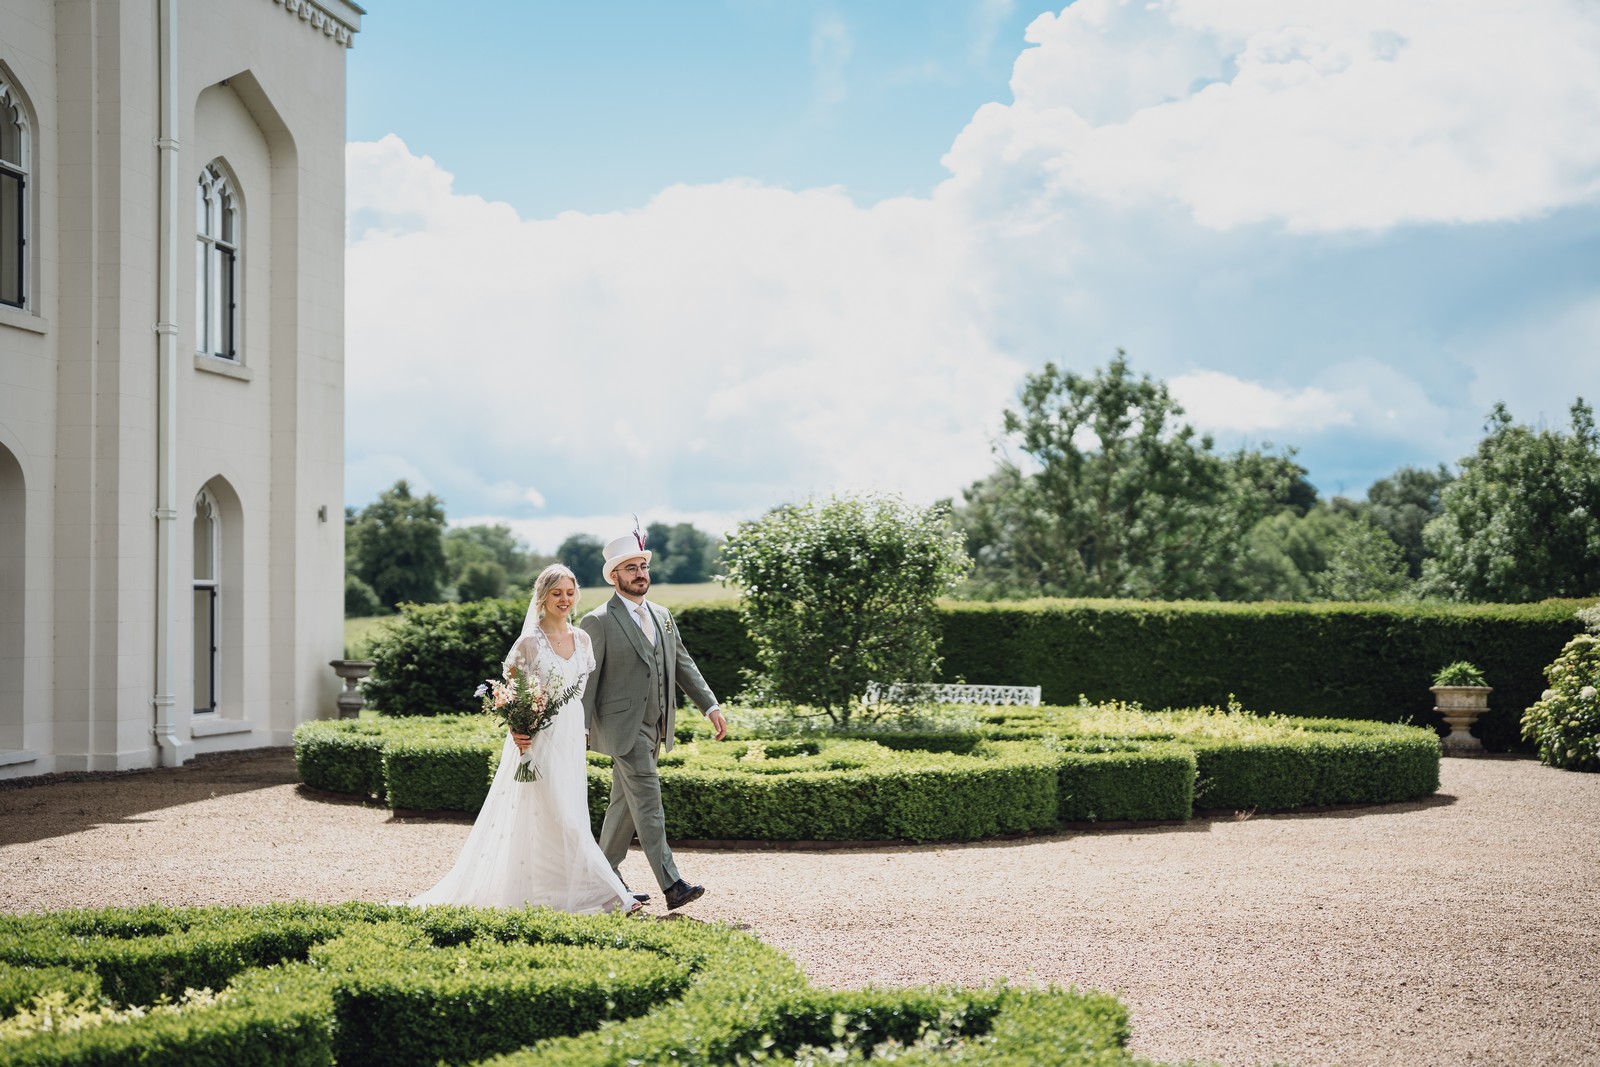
{"x": 1461, "y": 705}
{"x": 352, "y": 671}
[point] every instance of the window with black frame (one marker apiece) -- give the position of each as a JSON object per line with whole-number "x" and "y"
{"x": 216, "y": 263}
{"x": 13, "y": 200}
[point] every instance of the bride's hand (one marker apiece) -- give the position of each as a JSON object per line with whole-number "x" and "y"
{"x": 522, "y": 741}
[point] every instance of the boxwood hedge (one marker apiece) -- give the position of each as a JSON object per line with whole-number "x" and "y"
{"x": 1357, "y": 661}
{"x": 315, "y": 985}
{"x": 1019, "y": 771}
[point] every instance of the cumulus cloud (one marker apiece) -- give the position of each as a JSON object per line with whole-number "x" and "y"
{"x": 724, "y": 346}
{"x": 1215, "y": 401}
{"x": 1262, "y": 200}
{"x": 1360, "y": 115}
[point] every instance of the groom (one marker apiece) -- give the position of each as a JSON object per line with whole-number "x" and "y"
{"x": 631, "y": 705}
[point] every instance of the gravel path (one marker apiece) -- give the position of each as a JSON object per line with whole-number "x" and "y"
{"x": 1464, "y": 929}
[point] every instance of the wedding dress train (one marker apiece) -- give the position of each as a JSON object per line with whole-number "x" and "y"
{"x": 531, "y": 844}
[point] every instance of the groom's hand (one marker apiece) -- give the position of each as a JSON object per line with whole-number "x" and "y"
{"x": 718, "y": 723}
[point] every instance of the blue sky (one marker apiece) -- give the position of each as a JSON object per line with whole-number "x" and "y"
{"x": 693, "y": 260}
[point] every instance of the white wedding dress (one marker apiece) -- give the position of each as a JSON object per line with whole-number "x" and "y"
{"x": 532, "y": 844}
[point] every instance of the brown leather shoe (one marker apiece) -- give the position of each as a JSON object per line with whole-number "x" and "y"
{"x": 680, "y": 893}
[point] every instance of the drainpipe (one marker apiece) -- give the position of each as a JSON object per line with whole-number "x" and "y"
{"x": 169, "y": 749}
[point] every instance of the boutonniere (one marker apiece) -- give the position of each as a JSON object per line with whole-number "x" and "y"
{"x": 669, "y": 624}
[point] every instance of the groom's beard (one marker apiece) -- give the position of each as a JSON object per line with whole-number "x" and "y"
{"x": 638, "y": 586}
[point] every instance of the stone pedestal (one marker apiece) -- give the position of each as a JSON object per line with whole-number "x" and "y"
{"x": 352, "y": 671}
{"x": 1461, "y": 705}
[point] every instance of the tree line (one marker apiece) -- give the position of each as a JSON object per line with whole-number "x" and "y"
{"x": 1101, "y": 490}
{"x": 400, "y": 549}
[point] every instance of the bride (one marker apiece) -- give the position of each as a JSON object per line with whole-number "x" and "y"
{"x": 532, "y": 844}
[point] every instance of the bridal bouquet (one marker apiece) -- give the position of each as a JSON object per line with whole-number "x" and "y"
{"x": 525, "y": 703}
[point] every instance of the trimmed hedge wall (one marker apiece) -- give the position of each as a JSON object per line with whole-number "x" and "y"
{"x": 1024, "y": 770}
{"x": 1355, "y": 661}
{"x": 359, "y": 984}
{"x": 1352, "y": 661}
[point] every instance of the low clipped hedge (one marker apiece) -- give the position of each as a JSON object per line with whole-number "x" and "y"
{"x": 1020, "y": 770}
{"x": 357, "y": 984}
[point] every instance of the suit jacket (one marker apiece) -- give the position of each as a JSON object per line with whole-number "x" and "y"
{"x": 618, "y": 695}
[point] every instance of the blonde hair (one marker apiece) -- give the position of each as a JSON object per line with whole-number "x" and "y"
{"x": 547, "y": 581}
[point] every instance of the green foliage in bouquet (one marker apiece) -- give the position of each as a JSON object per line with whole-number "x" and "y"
{"x": 1565, "y": 721}
{"x": 525, "y": 703}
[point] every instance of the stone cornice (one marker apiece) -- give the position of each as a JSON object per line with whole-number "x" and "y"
{"x": 340, "y": 27}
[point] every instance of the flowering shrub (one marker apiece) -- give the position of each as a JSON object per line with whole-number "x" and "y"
{"x": 1565, "y": 722}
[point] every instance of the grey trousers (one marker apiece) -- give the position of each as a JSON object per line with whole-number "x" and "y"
{"x": 635, "y": 808}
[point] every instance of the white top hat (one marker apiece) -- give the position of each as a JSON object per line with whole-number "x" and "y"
{"x": 620, "y": 550}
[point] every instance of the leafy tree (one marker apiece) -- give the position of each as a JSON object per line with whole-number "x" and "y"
{"x": 1285, "y": 555}
{"x": 1364, "y": 563}
{"x": 683, "y": 554}
{"x": 490, "y": 544}
{"x": 482, "y": 579}
{"x": 1522, "y": 522}
{"x": 396, "y": 546}
{"x": 842, "y": 593}
{"x": 1121, "y": 499}
{"x": 360, "y": 601}
{"x": 583, "y": 553}
{"x": 1402, "y": 504}
{"x": 1326, "y": 554}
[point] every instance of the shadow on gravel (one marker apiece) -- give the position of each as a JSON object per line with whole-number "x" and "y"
{"x": 55, "y": 805}
{"x": 1202, "y": 823}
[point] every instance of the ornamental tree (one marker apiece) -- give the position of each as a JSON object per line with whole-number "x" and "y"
{"x": 842, "y": 593}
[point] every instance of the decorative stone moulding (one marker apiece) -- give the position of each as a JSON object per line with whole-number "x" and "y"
{"x": 1461, "y": 705}
{"x": 319, "y": 18}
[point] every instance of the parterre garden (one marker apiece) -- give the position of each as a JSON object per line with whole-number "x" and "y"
{"x": 369, "y": 984}
{"x": 375, "y": 984}
{"x": 1008, "y": 771}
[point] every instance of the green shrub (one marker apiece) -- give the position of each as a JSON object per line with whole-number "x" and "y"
{"x": 1459, "y": 673}
{"x": 1355, "y": 661}
{"x": 439, "y": 774}
{"x": 1565, "y": 721}
{"x": 360, "y": 601}
{"x": 1016, "y": 770}
{"x": 346, "y": 755}
{"x": 429, "y": 660}
{"x": 1345, "y": 661}
{"x": 840, "y": 593}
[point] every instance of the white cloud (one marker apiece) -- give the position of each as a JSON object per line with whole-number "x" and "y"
{"x": 1360, "y": 115}
{"x": 726, "y": 346}
{"x": 1218, "y": 402}
{"x": 733, "y": 345}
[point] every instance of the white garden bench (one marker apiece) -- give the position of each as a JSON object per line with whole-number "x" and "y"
{"x": 936, "y": 693}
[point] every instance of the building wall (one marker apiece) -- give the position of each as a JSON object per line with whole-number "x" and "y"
{"x": 261, "y": 90}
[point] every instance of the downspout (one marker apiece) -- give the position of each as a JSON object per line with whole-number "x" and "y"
{"x": 169, "y": 750}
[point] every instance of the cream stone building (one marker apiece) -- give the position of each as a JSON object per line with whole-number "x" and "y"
{"x": 171, "y": 376}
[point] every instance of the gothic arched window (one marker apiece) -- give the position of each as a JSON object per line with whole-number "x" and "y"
{"x": 13, "y": 199}
{"x": 216, "y": 266}
{"x": 207, "y": 567}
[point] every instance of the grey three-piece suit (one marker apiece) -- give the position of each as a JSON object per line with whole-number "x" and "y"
{"x": 629, "y": 708}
